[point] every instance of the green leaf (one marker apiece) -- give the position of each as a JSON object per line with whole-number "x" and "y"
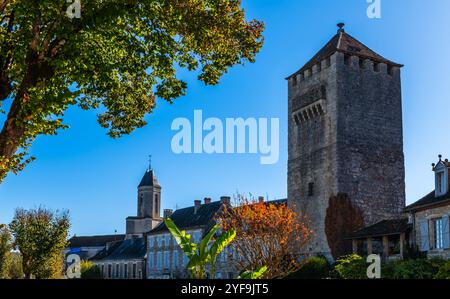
{"x": 221, "y": 243}
{"x": 253, "y": 274}
{"x": 204, "y": 243}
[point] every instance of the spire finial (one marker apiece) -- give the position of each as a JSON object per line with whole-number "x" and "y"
{"x": 440, "y": 158}
{"x": 341, "y": 27}
{"x": 149, "y": 162}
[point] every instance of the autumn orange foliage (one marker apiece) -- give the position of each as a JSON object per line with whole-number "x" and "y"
{"x": 268, "y": 234}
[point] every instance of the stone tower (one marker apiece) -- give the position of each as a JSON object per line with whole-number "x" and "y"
{"x": 148, "y": 208}
{"x": 346, "y": 162}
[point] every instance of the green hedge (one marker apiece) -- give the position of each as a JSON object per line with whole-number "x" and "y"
{"x": 355, "y": 267}
{"x": 313, "y": 268}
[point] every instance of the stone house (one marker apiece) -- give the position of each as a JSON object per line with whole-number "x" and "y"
{"x": 166, "y": 260}
{"x": 123, "y": 259}
{"x": 424, "y": 225}
{"x": 430, "y": 215}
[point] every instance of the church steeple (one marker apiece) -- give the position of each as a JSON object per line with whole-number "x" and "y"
{"x": 149, "y": 196}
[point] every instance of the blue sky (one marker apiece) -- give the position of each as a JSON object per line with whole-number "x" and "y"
{"x": 96, "y": 177}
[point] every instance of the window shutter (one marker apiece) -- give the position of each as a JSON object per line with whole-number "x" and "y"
{"x": 424, "y": 235}
{"x": 446, "y": 232}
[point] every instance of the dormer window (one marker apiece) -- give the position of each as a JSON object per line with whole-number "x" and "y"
{"x": 441, "y": 177}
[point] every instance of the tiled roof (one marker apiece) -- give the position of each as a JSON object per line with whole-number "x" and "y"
{"x": 204, "y": 217}
{"x": 345, "y": 43}
{"x": 188, "y": 218}
{"x": 123, "y": 250}
{"x": 428, "y": 200}
{"x": 93, "y": 241}
{"x": 383, "y": 228}
{"x": 149, "y": 179}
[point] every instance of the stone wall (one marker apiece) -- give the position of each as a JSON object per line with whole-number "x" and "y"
{"x": 350, "y": 142}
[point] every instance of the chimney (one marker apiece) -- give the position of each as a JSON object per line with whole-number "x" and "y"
{"x": 197, "y": 204}
{"x": 261, "y": 199}
{"x": 167, "y": 213}
{"x": 207, "y": 200}
{"x": 225, "y": 200}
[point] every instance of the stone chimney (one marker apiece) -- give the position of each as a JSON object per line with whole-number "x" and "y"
{"x": 207, "y": 200}
{"x": 197, "y": 205}
{"x": 261, "y": 199}
{"x": 225, "y": 200}
{"x": 167, "y": 213}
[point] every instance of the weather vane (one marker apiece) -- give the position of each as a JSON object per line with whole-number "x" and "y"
{"x": 150, "y": 162}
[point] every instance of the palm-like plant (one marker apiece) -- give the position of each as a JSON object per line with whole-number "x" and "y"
{"x": 202, "y": 254}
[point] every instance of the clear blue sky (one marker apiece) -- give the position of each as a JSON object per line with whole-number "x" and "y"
{"x": 95, "y": 177}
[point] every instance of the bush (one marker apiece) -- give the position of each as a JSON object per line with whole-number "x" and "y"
{"x": 444, "y": 271}
{"x": 351, "y": 267}
{"x": 313, "y": 268}
{"x": 90, "y": 271}
{"x": 413, "y": 269}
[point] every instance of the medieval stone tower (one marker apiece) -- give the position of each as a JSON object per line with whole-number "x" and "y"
{"x": 346, "y": 162}
{"x": 148, "y": 208}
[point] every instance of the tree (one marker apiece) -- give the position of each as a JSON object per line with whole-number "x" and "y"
{"x": 90, "y": 271}
{"x": 267, "y": 234}
{"x": 5, "y": 251}
{"x": 203, "y": 254}
{"x": 41, "y": 236}
{"x": 117, "y": 58}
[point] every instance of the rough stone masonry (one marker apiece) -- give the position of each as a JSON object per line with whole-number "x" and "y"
{"x": 346, "y": 163}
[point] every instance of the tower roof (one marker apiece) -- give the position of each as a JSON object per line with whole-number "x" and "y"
{"x": 149, "y": 179}
{"x": 345, "y": 43}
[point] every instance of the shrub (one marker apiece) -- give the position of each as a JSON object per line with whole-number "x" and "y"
{"x": 313, "y": 268}
{"x": 351, "y": 267}
{"x": 413, "y": 269}
{"x": 444, "y": 271}
{"x": 90, "y": 271}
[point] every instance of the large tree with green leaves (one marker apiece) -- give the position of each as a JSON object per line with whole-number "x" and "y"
{"x": 117, "y": 58}
{"x": 5, "y": 251}
{"x": 41, "y": 236}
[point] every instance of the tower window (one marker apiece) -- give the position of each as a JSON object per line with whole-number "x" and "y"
{"x": 310, "y": 189}
{"x": 294, "y": 80}
{"x": 347, "y": 59}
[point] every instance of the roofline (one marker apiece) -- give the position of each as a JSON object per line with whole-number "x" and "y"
{"x": 421, "y": 207}
{"x": 375, "y": 235}
{"x": 388, "y": 62}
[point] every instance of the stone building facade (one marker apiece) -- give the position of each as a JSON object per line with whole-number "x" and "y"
{"x": 345, "y": 140}
{"x": 166, "y": 260}
{"x": 430, "y": 215}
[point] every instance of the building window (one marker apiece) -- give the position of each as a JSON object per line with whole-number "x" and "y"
{"x": 125, "y": 271}
{"x": 151, "y": 242}
{"x": 109, "y": 271}
{"x": 159, "y": 261}
{"x": 175, "y": 259}
{"x": 311, "y": 189}
{"x": 151, "y": 261}
{"x": 103, "y": 270}
{"x": 134, "y": 270}
{"x": 438, "y": 233}
{"x": 219, "y": 275}
{"x": 158, "y": 241}
{"x": 167, "y": 240}
{"x": 117, "y": 271}
{"x": 166, "y": 260}
{"x": 185, "y": 260}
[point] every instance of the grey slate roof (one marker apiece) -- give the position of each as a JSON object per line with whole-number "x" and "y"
{"x": 383, "y": 228}
{"x": 93, "y": 241}
{"x": 149, "y": 179}
{"x": 428, "y": 201}
{"x": 345, "y": 43}
{"x": 123, "y": 250}
{"x": 186, "y": 218}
